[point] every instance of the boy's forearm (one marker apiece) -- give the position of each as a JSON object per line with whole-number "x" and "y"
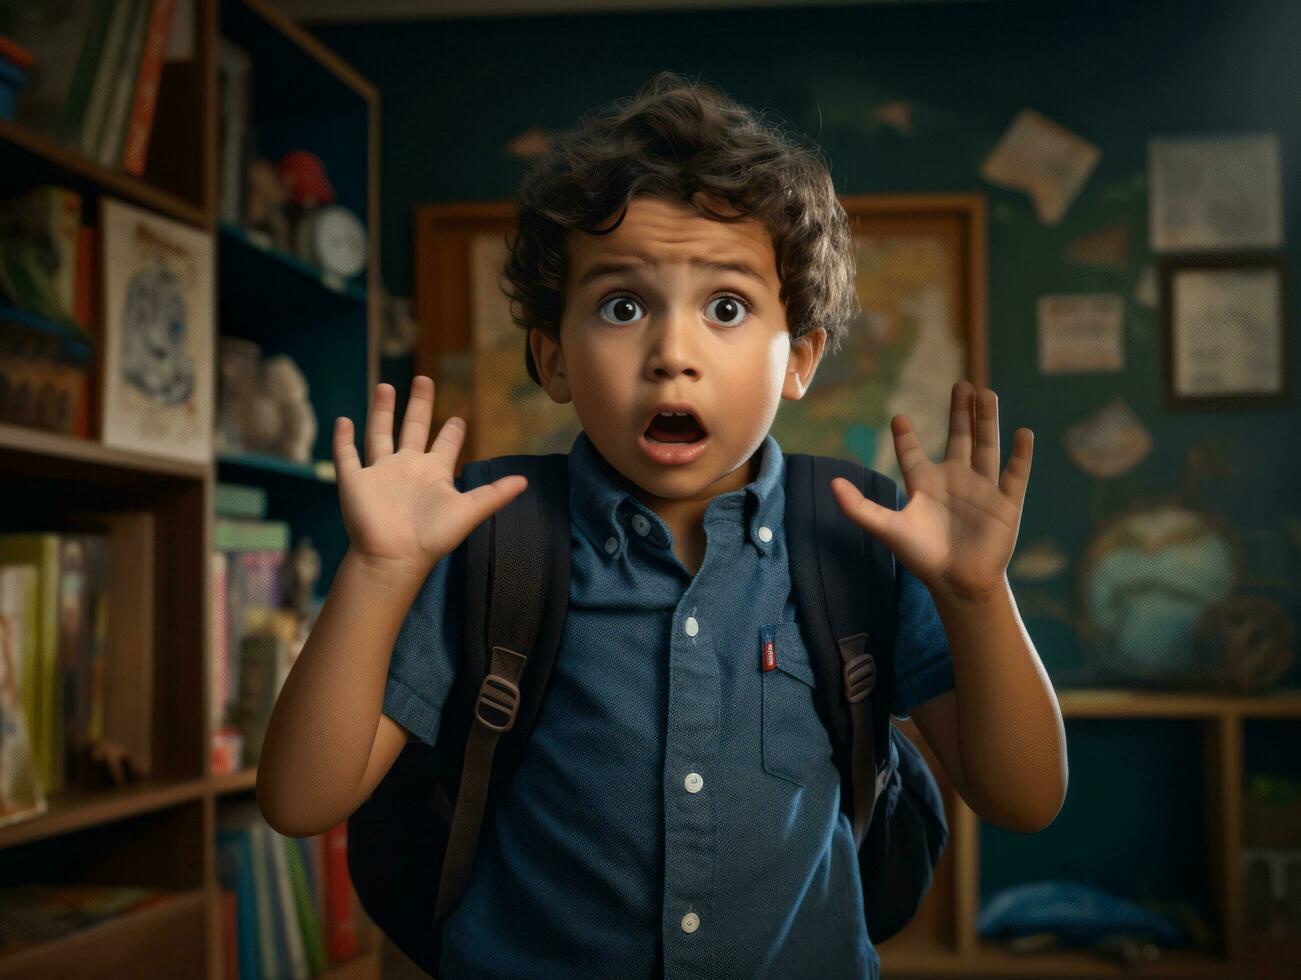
{"x": 1010, "y": 725}
{"x": 323, "y": 725}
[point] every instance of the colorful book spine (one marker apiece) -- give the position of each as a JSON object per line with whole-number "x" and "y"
{"x": 309, "y": 925}
{"x": 141, "y": 124}
{"x": 111, "y": 137}
{"x": 341, "y": 930}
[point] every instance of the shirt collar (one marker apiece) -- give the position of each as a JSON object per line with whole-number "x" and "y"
{"x": 605, "y": 512}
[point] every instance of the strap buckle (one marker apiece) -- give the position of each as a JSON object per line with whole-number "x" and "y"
{"x": 860, "y": 677}
{"x": 500, "y": 696}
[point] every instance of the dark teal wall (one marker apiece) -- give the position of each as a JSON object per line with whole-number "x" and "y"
{"x": 456, "y": 91}
{"x": 1114, "y": 71}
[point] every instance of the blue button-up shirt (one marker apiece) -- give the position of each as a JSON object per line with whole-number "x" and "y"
{"x": 677, "y": 810}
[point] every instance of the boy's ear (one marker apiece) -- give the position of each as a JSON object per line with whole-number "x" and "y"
{"x": 550, "y": 362}
{"x": 803, "y": 363}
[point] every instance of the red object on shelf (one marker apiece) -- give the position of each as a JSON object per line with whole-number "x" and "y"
{"x": 304, "y": 176}
{"x": 15, "y": 52}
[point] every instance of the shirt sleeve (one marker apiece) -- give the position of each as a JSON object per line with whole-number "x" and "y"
{"x": 423, "y": 664}
{"x": 923, "y": 662}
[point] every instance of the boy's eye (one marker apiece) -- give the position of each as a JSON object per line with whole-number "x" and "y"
{"x": 622, "y": 309}
{"x": 730, "y": 310}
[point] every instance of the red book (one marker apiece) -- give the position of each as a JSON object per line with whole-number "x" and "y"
{"x": 83, "y": 311}
{"x": 145, "y": 100}
{"x": 341, "y": 923}
{"x": 229, "y": 936}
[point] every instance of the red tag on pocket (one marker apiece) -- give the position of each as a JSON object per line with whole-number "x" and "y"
{"x": 769, "y": 651}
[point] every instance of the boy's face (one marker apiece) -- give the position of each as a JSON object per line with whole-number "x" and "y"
{"x": 667, "y": 329}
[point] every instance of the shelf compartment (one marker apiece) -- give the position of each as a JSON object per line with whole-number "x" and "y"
{"x": 246, "y": 254}
{"x": 1174, "y": 852}
{"x": 43, "y": 158}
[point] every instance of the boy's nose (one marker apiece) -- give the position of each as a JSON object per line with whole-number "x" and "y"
{"x": 672, "y": 351}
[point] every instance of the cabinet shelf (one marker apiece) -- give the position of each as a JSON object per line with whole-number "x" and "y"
{"x": 79, "y": 809}
{"x": 171, "y": 930}
{"x": 321, "y": 471}
{"x": 246, "y": 258}
{"x": 52, "y": 453}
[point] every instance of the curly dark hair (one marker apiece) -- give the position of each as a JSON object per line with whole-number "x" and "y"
{"x": 680, "y": 140}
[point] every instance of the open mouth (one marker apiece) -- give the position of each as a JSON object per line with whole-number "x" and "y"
{"x": 675, "y": 429}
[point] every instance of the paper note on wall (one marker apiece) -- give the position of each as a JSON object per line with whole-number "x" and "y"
{"x": 1044, "y": 159}
{"x": 1079, "y": 333}
{"x": 1225, "y": 192}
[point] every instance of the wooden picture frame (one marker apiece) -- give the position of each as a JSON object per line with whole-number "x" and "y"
{"x": 922, "y": 267}
{"x": 157, "y": 374}
{"x": 1224, "y": 331}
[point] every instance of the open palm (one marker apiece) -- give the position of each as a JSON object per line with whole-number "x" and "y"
{"x": 402, "y": 510}
{"x": 959, "y": 528}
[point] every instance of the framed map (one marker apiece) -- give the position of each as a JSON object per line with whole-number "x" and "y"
{"x": 921, "y": 283}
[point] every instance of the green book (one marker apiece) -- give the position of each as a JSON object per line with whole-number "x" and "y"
{"x": 308, "y": 923}
{"x": 235, "y": 500}
{"x": 115, "y": 39}
{"x": 242, "y": 534}
{"x": 74, "y": 106}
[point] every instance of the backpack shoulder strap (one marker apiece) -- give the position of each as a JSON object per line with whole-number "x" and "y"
{"x": 844, "y": 584}
{"x": 516, "y": 580}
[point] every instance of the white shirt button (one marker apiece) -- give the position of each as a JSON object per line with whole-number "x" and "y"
{"x": 691, "y": 626}
{"x": 690, "y": 922}
{"x": 640, "y": 524}
{"x": 765, "y": 534}
{"x": 693, "y": 782}
{"x": 612, "y": 545}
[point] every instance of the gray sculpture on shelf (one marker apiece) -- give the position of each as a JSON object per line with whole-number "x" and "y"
{"x": 276, "y": 415}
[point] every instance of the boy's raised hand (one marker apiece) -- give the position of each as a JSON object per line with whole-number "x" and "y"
{"x": 402, "y": 510}
{"x": 959, "y": 528}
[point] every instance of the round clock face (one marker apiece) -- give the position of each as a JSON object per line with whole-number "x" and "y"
{"x": 338, "y": 241}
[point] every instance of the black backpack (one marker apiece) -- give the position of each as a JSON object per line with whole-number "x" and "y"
{"x": 411, "y": 844}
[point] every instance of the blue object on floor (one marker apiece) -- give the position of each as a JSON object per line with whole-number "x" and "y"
{"x": 1077, "y": 913}
{"x": 12, "y": 79}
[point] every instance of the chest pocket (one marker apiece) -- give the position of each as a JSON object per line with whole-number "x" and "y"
{"x": 795, "y": 742}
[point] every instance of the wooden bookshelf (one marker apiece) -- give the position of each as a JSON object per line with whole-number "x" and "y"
{"x": 161, "y": 831}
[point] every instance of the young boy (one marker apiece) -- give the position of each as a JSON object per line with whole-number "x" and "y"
{"x": 677, "y": 811}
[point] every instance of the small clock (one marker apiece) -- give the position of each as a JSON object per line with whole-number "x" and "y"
{"x": 333, "y": 238}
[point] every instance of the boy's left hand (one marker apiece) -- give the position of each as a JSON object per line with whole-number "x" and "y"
{"x": 959, "y": 527}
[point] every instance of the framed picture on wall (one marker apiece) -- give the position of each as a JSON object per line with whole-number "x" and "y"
{"x": 921, "y": 283}
{"x": 157, "y": 382}
{"x": 1223, "y": 330}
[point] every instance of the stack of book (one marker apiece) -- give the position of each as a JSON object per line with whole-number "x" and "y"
{"x": 288, "y": 907}
{"x": 96, "y": 73}
{"x": 76, "y": 654}
{"x": 254, "y": 640}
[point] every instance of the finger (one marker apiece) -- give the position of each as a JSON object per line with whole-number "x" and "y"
{"x": 379, "y": 426}
{"x": 959, "y": 445}
{"x": 985, "y": 457}
{"x": 491, "y": 497}
{"x": 346, "y": 461}
{"x": 420, "y": 409}
{"x": 1016, "y": 477}
{"x": 447, "y": 444}
{"x": 906, "y": 446}
{"x": 868, "y": 514}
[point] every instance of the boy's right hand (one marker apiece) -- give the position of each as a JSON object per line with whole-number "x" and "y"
{"x": 402, "y": 510}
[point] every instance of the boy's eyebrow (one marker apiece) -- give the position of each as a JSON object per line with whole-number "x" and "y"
{"x": 613, "y": 266}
